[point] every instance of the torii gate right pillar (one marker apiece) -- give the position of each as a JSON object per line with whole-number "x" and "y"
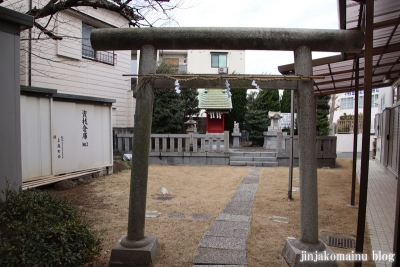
{"x": 298, "y": 252}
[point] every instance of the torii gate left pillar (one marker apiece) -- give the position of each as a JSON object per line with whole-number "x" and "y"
{"x": 302, "y": 42}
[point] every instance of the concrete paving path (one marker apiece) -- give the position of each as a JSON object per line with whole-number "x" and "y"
{"x": 381, "y": 209}
{"x": 224, "y": 243}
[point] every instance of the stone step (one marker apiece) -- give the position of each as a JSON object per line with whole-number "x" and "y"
{"x": 252, "y": 154}
{"x": 259, "y": 159}
{"x": 237, "y": 163}
{"x": 253, "y": 163}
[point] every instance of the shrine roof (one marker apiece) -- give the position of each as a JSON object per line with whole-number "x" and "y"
{"x": 214, "y": 99}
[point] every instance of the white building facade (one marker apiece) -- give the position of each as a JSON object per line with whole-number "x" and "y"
{"x": 199, "y": 61}
{"x": 345, "y": 105}
{"x": 70, "y": 65}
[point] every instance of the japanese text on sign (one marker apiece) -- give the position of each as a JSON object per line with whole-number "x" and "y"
{"x": 84, "y": 128}
{"x": 60, "y": 147}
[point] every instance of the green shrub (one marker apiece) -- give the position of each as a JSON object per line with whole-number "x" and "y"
{"x": 39, "y": 230}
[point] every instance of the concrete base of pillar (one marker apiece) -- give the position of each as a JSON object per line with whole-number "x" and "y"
{"x": 300, "y": 254}
{"x": 132, "y": 257}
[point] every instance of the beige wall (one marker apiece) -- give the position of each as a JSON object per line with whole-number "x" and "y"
{"x": 199, "y": 61}
{"x": 59, "y": 64}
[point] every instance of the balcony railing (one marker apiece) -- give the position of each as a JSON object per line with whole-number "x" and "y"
{"x": 347, "y": 126}
{"x": 100, "y": 56}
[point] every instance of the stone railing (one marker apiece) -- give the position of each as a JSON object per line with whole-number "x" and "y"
{"x": 325, "y": 146}
{"x": 180, "y": 142}
{"x": 190, "y": 143}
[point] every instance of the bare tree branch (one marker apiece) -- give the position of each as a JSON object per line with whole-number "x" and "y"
{"x": 47, "y": 32}
{"x": 48, "y": 22}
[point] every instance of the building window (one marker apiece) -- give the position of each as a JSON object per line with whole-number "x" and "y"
{"x": 87, "y": 50}
{"x": 374, "y": 99}
{"x": 360, "y": 101}
{"x": 395, "y": 94}
{"x": 383, "y": 104}
{"x": 346, "y": 103}
{"x": 218, "y": 60}
{"x": 172, "y": 61}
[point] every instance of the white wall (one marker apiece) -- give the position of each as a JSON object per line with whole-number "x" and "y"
{"x": 199, "y": 62}
{"x": 345, "y": 142}
{"x": 385, "y": 98}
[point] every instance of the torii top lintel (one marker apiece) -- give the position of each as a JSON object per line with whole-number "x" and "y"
{"x": 176, "y": 38}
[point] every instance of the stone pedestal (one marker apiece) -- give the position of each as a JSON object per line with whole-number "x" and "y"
{"x": 135, "y": 256}
{"x": 301, "y": 254}
{"x": 236, "y": 137}
{"x": 271, "y": 140}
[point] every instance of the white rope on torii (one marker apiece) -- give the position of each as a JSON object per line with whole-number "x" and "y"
{"x": 188, "y": 77}
{"x": 212, "y": 77}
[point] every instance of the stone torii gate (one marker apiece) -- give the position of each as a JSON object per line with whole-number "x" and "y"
{"x": 136, "y": 249}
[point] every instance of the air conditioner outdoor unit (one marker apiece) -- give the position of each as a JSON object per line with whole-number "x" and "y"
{"x": 223, "y": 70}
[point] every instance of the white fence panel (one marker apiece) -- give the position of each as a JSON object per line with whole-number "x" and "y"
{"x": 35, "y": 137}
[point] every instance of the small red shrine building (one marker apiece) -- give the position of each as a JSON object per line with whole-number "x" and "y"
{"x": 217, "y": 104}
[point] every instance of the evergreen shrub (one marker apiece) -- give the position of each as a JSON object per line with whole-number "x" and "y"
{"x": 40, "y": 230}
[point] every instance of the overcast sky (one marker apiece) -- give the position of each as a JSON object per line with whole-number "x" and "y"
{"x": 315, "y": 14}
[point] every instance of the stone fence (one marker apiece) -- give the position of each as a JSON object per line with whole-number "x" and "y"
{"x": 183, "y": 149}
{"x": 325, "y": 146}
{"x": 216, "y": 143}
{"x": 190, "y": 142}
{"x": 213, "y": 149}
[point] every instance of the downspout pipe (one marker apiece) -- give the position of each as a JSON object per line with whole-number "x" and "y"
{"x": 30, "y": 52}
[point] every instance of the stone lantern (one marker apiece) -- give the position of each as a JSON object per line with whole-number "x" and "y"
{"x": 273, "y": 139}
{"x": 275, "y": 116}
{"x": 191, "y": 128}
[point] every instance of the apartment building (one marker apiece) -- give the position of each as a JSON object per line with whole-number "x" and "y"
{"x": 200, "y": 61}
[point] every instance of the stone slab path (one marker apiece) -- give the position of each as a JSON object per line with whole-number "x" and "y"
{"x": 224, "y": 243}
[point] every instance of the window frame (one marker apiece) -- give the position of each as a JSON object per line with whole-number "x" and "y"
{"x": 105, "y": 57}
{"x": 347, "y": 104}
{"x": 374, "y": 98}
{"x": 218, "y": 54}
{"x": 361, "y": 101}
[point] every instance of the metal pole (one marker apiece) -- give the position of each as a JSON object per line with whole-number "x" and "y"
{"x": 362, "y": 208}
{"x": 355, "y": 133}
{"x": 291, "y": 146}
{"x": 140, "y": 151}
{"x": 307, "y": 153}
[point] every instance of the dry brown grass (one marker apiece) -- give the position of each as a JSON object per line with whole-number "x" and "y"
{"x": 195, "y": 189}
{"x": 207, "y": 190}
{"x": 267, "y": 237}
